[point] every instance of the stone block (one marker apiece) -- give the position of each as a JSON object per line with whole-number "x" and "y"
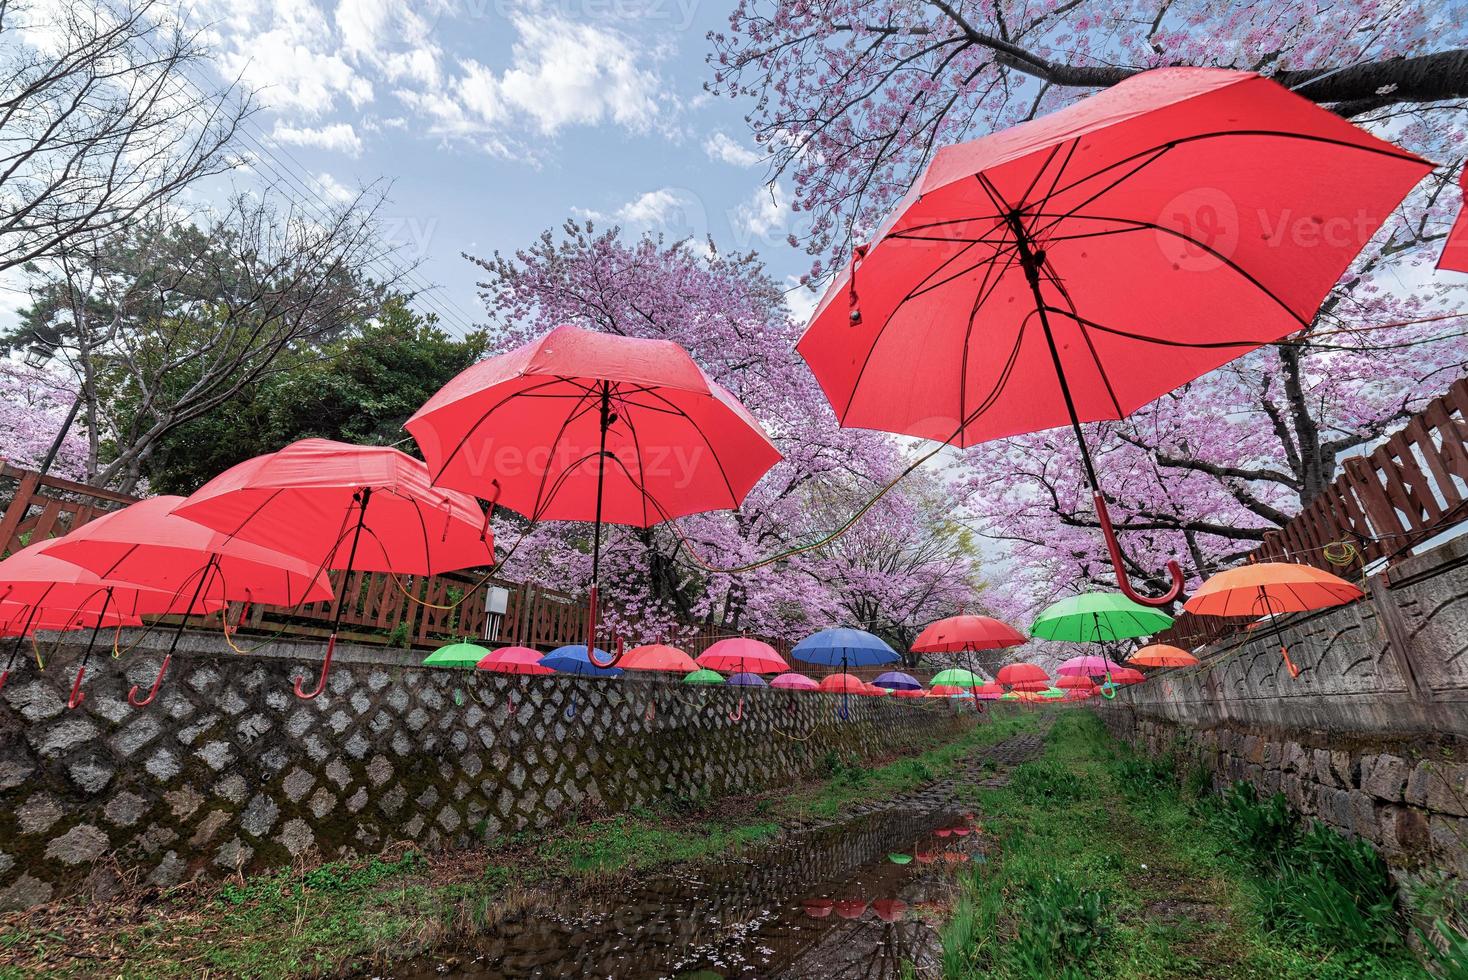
{"x": 1439, "y": 786}
{"x": 1385, "y": 776}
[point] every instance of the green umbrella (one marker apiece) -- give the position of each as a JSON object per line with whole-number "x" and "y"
{"x": 1011, "y": 696}
{"x": 958, "y": 677}
{"x": 704, "y": 676}
{"x": 900, "y": 858}
{"x": 1096, "y": 617}
{"x": 456, "y": 655}
{"x": 1052, "y": 694}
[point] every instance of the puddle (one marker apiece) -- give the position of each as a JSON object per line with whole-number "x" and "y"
{"x": 831, "y": 902}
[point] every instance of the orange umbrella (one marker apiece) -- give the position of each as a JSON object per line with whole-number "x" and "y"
{"x": 1269, "y": 589}
{"x": 1161, "y": 655}
{"x": 843, "y": 684}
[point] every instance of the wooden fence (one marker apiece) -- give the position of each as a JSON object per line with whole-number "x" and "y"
{"x": 1408, "y": 490}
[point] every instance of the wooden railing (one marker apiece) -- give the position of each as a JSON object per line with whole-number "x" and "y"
{"x": 1408, "y": 490}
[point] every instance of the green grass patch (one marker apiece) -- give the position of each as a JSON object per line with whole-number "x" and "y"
{"x": 1107, "y": 865}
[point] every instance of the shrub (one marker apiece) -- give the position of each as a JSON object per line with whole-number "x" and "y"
{"x": 1263, "y": 829}
{"x": 1045, "y": 782}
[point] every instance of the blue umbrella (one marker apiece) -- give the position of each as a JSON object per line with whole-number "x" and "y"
{"x": 844, "y": 647}
{"x": 746, "y": 680}
{"x": 574, "y": 660}
{"x": 896, "y": 680}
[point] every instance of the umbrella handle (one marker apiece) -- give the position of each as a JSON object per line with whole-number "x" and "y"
{"x": 651, "y": 712}
{"x": 737, "y": 715}
{"x": 1119, "y": 564}
{"x": 4, "y": 676}
{"x": 843, "y": 712}
{"x": 510, "y": 701}
{"x": 1289, "y": 664}
{"x": 77, "y": 694}
{"x": 132, "y": 695}
{"x": 325, "y": 669}
{"x": 571, "y": 710}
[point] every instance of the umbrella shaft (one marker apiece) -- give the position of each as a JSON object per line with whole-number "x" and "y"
{"x": 601, "y": 458}
{"x": 341, "y": 601}
{"x": 1030, "y": 261}
{"x": 189, "y": 611}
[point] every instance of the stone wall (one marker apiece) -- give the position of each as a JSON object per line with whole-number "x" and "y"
{"x": 1370, "y": 738}
{"x": 228, "y": 770}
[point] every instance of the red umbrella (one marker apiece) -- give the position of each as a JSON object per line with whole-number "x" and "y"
{"x": 17, "y": 619}
{"x": 742, "y": 654}
{"x": 1076, "y": 267}
{"x": 1013, "y": 675}
{"x": 960, "y": 633}
{"x": 1127, "y": 675}
{"x": 1076, "y": 682}
{"x": 579, "y": 425}
{"x": 42, "y": 582}
{"x": 145, "y": 543}
{"x": 354, "y": 508}
{"x": 842, "y": 684}
{"x": 513, "y": 660}
{"x": 1162, "y": 655}
{"x": 1454, "y": 256}
{"x": 658, "y": 656}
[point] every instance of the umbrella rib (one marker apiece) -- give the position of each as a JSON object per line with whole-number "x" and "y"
{"x": 925, "y": 286}
{"x": 1151, "y": 157}
{"x": 542, "y": 501}
{"x": 728, "y": 485}
{"x": 1055, "y": 280}
{"x": 1149, "y": 339}
{"x": 637, "y": 455}
{"x": 484, "y": 417}
{"x": 1134, "y": 225}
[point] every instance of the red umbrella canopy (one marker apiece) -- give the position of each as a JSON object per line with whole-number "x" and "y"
{"x": 843, "y": 684}
{"x": 1127, "y": 675}
{"x": 526, "y": 430}
{"x": 17, "y": 619}
{"x": 1013, "y": 675}
{"x": 1076, "y": 267}
{"x": 1454, "y": 255}
{"x": 657, "y": 656}
{"x": 1271, "y": 587}
{"x": 513, "y": 660}
{"x": 32, "y": 578}
{"x": 1181, "y": 218}
{"x": 743, "y": 654}
{"x": 1078, "y": 682}
{"x": 305, "y": 501}
{"x": 147, "y": 544}
{"x": 958, "y": 633}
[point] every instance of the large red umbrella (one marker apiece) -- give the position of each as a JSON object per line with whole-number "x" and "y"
{"x": 1078, "y": 266}
{"x": 52, "y": 589}
{"x": 579, "y": 425}
{"x": 963, "y": 632}
{"x": 353, "y": 508}
{"x": 147, "y": 544}
{"x": 740, "y": 654}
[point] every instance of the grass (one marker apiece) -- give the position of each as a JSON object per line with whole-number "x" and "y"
{"x": 351, "y": 916}
{"x": 1109, "y": 865}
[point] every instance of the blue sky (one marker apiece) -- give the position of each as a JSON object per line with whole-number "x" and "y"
{"x": 497, "y": 119}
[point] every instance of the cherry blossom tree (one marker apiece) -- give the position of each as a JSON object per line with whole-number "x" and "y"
{"x": 850, "y": 98}
{"x": 902, "y": 565}
{"x": 34, "y": 406}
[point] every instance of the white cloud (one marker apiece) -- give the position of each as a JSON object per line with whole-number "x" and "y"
{"x": 801, "y": 300}
{"x": 766, "y": 215}
{"x": 340, "y": 137}
{"x": 719, "y": 146}
{"x": 652, "y": 208}
{"x": 676, "y": 211}
{"x": 330, "y": 188}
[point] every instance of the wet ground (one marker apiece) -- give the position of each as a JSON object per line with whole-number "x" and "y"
{"x": 856, "y": 897}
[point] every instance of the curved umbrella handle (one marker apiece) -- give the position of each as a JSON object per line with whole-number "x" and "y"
{"x": 1289, "y": 664}
{"x": 737, "y": 715}
{"x": 843, "y": 712}
{"x": 77, "y": 694}
{"x": 652, "y": 711}
{"x": 510, "y": 701}
{"x": 1117, "y": 563}
{"x": 132, "y": 695}
{"x": 4, "y": 676}
{"x": 325, "y": 669}
{"x": 571, "y": 710}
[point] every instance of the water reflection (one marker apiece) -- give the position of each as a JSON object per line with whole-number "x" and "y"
{"x": 828, "y": 904}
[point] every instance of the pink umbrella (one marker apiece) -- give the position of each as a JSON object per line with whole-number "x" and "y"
{"x": 1090, "y": 665}
{"x": 742, "y": 654}
{"x": 794, "y": 682}
{"x": 513, "y": 660}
